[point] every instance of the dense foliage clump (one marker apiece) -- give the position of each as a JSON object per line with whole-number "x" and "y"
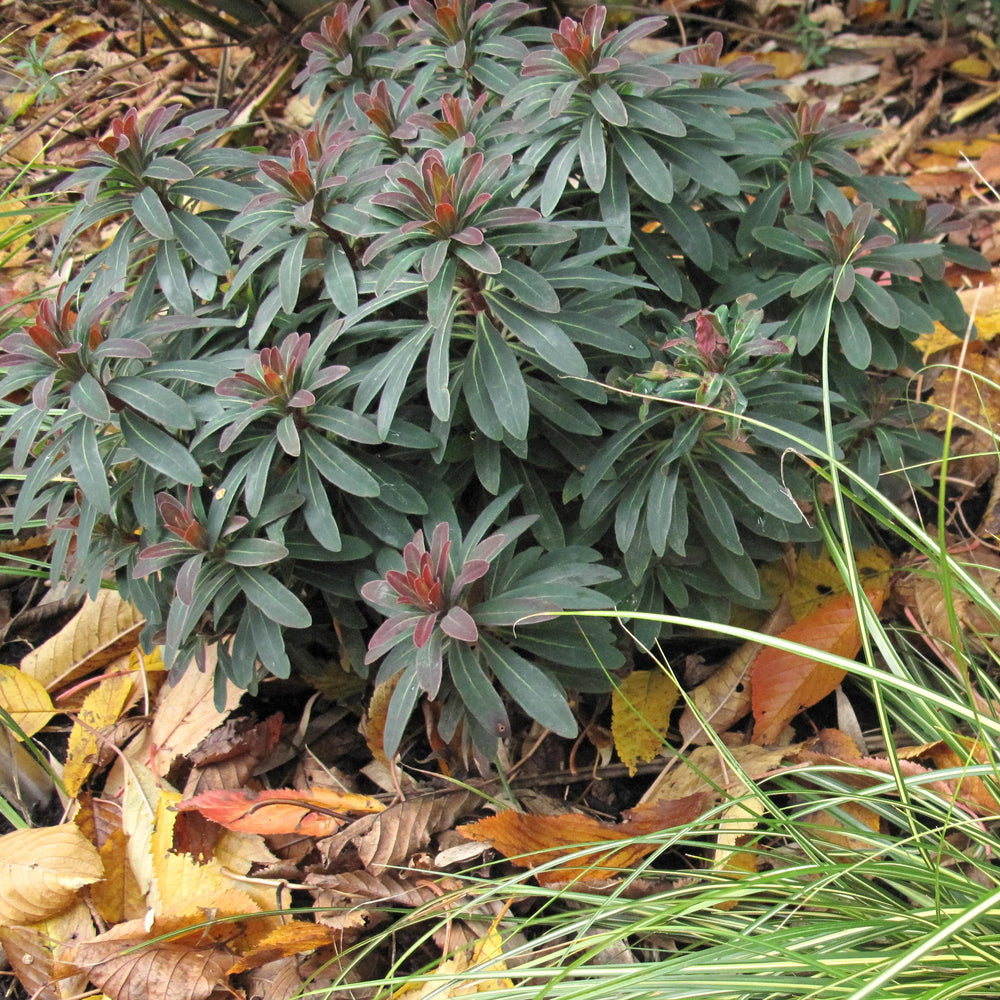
{"x": 510, "y": 276}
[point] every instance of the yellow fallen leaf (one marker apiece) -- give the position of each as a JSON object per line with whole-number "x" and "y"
{"x": 100, "y": 632}
{"x": 41, "y": 871}
{"x": 27, "y": 702}
{"x": 102, "y": 707}
{"x": 640, "y": 715}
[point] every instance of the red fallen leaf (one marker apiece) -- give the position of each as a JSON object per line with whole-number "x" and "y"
{"x": 783, "y": 683}
{"x": 315, "y": 812}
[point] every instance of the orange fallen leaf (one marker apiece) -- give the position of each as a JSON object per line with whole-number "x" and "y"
{"x": 784, "y": 683}
{"x": 529, "y": 841}
{"x": 316, "y": 812}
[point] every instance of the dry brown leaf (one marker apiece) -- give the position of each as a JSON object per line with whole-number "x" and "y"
{"x": 485, "y": 960}
{"x": 810, "y": 580}
{"x": 920, "y": 591}
{"x": 530, "y": 841}
{"x": 41, "y": 871}
{"x": 351, "y": 888}
{"x": 388, "y": 839}
{"x": 724, "y": 698}
{"x": 33, "y": 950}
{"x": 184, "y": 714}
{"x": 25, "y": 699}
{"x": 970, "y": 788}
{"x": 125, "y": 966}
{"x": 294, "y": 938}
{"x": 99, "y": 633}
{"x": 101, "y": 708}
{"x": 185, "y": 892}
{"x": 640, "y": 715}
{"x": 706, "y": 770}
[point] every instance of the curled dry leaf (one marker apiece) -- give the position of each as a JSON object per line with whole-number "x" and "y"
{"x": 640, "y": 715}
{"x": 41, "y": 871}
{"x": 388, "y": 839}
{"x": 125, "y": 965}
{"x": 315, "y": 812}
{"x": 784, "y": 683}
{"x": 100, "y": 632}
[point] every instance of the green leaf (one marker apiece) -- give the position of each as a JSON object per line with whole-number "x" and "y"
{"x": 151, "y": 214}
{"x": 88, "y": 468}
{"x": 800, "y": 184}
{"x": 852, "y": 334}
{"x": 702, "y": 165}
{"x": 688, "y": 230}
{"x": 159, "y": 450}
{"x": 556, "y": 177}
{"x": 616, "y": 208}
{"x": 337, "y": 467}
{"x": 876, "y": 301}
{"x": 90, "y": 399}
{"x": 173, "y": 278}
{"x": 593, "y": 153}
{"x": 154, "y": 401}
{"x": 652, "y": 252}
{"x": 540, "y": 334}
{"x": 609, "y": 105}
{"x": 477, "y": 693}
{"x": 273, "y": 598}
{"x": 529, "y": 287}
{"x": 756, "y": 484}
{"x": 645, "y": 164}
{"x": 713, "y": 507}
{"x": 401, "y": 705}
{"x": 540, "y": 696}
{"x": 200, "y": 240}
{"x": 290, "y": 272}
{"x": 498, "y": 377}
{"x": 338, "y": 278}
{"x": 317, "y": 511}
{"x": 650, "y": 114}
{"x": 254, "y": 552}
{"x": 785, "y": 242}
{"x": 659, "y": 506}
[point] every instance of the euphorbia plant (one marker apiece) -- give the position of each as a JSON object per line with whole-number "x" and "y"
{"x": 500, "y": 278}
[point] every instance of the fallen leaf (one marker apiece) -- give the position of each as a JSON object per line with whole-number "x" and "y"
{"x": 784, "y": 683}
{"x": 118, "y": 897}
{"x": 724, "y": 697}
{"x": 810, "y": 580}
{"x": 99, "y": 633}
{"x": 27, "y": 702}
{"x": 315, "y": 812}
{"x": 387, "y": 840}
{"x": 41, "y": 871}
{"x": 294, "y": 938}
{"x": 530, "y": 841}
{"x": 125, "y": 965}
{"x": 640, "y": 715}
{"x": 969, "y": 788}
{"x": 101, "y": 708}
{"x": 33, "y": 949}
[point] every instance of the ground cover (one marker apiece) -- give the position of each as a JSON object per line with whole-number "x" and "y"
{"x": 751, "y": 811}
